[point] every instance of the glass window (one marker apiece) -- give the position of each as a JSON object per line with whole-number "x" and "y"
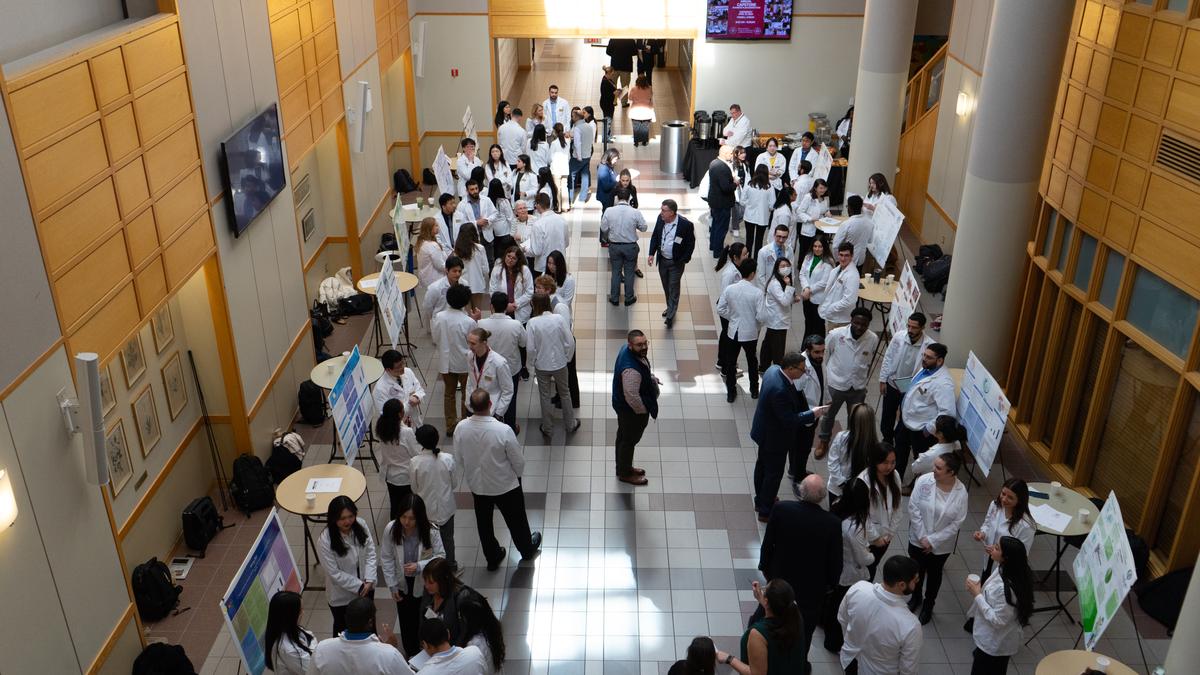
{"x": 1181, "y": 472}
{"x": 1178, "y": 6}
{"x": 1050, "y": 398}
{"x": 935, "y": 84}
{"x": 1051, "y": 229}
{"x": 1113, "y": 264}
{"x": 1086, "y": 391}
{"x": 1133, "y": 429}
{"x": 1087, "y": 258}
{"x": 1165, "y": 313}
{"x": 1065, "y": 250}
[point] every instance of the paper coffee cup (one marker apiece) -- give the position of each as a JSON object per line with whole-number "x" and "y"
{"x": 1084, "y": 515}
{"x": 310, "y": 497}
{"x": 1056, "y": 489}
{"x": 973, "y": 578}
{"x": 1102, "y": 664}
{"x": 330, "y": 368}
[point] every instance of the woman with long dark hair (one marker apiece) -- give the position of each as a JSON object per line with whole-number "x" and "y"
{"x": 758, "y": 197}
{"x": 503, "y": 113}
{"x": 287, "y": 644}
{"x": 813, "y": 206}
{"x": 849, "y": 450}
{"x": 409, "y": 544}
{"x": 606, "y": 178}
{"x": 1002, "y": 605}
{"x": 878, "y": 191}
{"x": 842, "y": 131}
{"x": 1007, "y": 516}
{"x": 347, "y": 552}
{"x": 433, "y": 481}
{"x": 548, "y": 186}
{"x": 482, "y": 629}
{"x": 814, "y": 273}
{"x": 397, "y": 447}
{"x": 525, "y": 183}
{"x": 773, "y": 645}
{"x": 505, "y": 221}
{"x": 444, "y": 592}
{"x": 936, "y": 509}
{"x": 539, "y": 150}
{"x": 855, "y": 508}
{"x": 475, "y": 263}
{"x": 779, "y": 296}
{"x": 728, "y": 274}
{"x": 496, "y": 167}
{"x": 884, "y": 483}
{"x": 513, "y": 278}
{"x": 701, "y": 659}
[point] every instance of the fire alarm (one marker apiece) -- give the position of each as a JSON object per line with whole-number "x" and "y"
{"x": 454, "y": 72}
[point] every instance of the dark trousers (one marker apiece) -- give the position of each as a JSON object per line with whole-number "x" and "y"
{"x": 771, "y": 353}
{"x": 813, "y": 323}
{"x": 718, "y": 228}
{"x": 630, "y": 427}
{"x": 623, "y": 257}
{"x": 408, "y": 618}
{"x": 396, "y": 495}
{"x": 887, "y": 415}
{"x": 510, "y": 415}
{"x": 573, "y": 379}
{"x": 986, "y": 664}
{"x": 490, "y": 249}
{"x": 670, "y": 273}
{"x": 838, "y": 398}
{"x": 729, "y": 363}
{"x": 339, "y": 618}
{"x": 877, "y": 553}
{"x": 512, "y": 508}
{"x": 447, "y": 530}
{"x": 768, "y": 474}
{"x": 909, "y": 444}
{"x": 930, "y": 580}
{"x": 755, "y": 234}
{"x": 798, "y": 455}
{"x": 721, "y": 340}
{"x": 829, "y": 621}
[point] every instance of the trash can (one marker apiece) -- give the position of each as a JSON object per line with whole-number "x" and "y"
{"x": 672, "y": 140}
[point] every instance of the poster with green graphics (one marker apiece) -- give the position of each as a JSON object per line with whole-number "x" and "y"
{"x": 1104, "y": 571}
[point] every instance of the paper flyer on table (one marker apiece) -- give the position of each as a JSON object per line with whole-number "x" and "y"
{"x": 324, "y": 485}
{"x": 1049, "y": 517}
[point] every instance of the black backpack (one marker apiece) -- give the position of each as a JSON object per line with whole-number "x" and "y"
{"x": 937, "y": 273}
{"x": 925, "y": 255}
{"x": 282, "y": 463}
{"x": 154, "y": 590}
{"x": 359, "y": 303}
{"x": 160, "y": 658}
{"x": 201, "y": 522}
{"x": 402, "y": 181}
{"x": 251, "y": 485}
{"x": 312, "y": 403}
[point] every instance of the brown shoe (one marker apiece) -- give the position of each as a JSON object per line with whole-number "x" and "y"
{"x": 633, "y": 479}
{"x": 820, "y": 450}
{"x": 637, "y": 471}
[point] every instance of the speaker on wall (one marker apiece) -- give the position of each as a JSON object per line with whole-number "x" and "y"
{"x": 87, "y": 374}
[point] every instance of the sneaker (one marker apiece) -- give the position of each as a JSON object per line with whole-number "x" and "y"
{"x": 494, "y": 565}
{"x": 536, "y": 540}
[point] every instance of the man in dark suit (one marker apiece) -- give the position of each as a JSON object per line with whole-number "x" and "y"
{"x": 781, "y": 413}
{"x": 648, "y": 51}
{"x": 803, "y": 546}
{"x": 721, "y": 187}
{"x": 671, "y": 246}
{"x": 621, "y": 54}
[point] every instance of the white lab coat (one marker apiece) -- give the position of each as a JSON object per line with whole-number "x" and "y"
{"x": 776, "y": 164}
{"x": 856, "y": 554}
{"x": 456, "y": 661}
{"x": 794, "y": 162}
{"x": 858, "y": 231}
{"x": 508, "y": 337}
{"x": 847, "y": 361}
{"x": 463, "y": 168}
{"x": 927, "y": 399}
{"x": 879, "y": 631}
{"x": 729, "y": 275}
{"x": 549, "y": 233}
{"x": 431, "y": 262}
{"x": 810, "y": 384}
{"x": 899, "y": 359}
{"x": 808, "y": 211}
{"x": 874, "y": 200}
{"x": 345, "y": 574}
{"x": 522, "y": 289}
{"x": 766, "y": 263}
{"x": 492, "y": 458}
{"x": 475, "y": 270}
{"x": 450, "y": 328}
{"x": 465, "y": 214}
{"x": 388, "y": 387}
{"x": 936, "y": 522}
{"x": 996, "y": 630}
{"x": 549, "y": 342}
{"x": 525, "y": 183}
{"x": 815, "y": 278}
{"x": 560, "y": 157}
{"x": 995, "y": 526}
{"x": 540, "y": 157}
{"x": 511, "y": 139}
{"x": 758, "y": 203}
{"x": 558, "y": 112}
{"x": 433, "y": 482}
{"x": 504, "y": 222}
{"x": 502, "y": 173}
{"x": 339, "y": 656}
{"x": 495, "y": 378}
{"x": 884, "y": 520}
{"x": 785, "y": 216}
{"x": 391, "y": 559}
{"x": 394, "y": 458}
{"x": 924, "y": 461}
{"x": 839, "y": 294}
{"x": 435, "y": 297}
{"x": 739, "y": 132}
{"x": 290, "y": 658}
{"x": 566, "y": 292}
{"x": 531, "y": 123}
{"x": 838, "y": 461}
{"x": 740, "y": 305}
{"x": 777, "y": 306}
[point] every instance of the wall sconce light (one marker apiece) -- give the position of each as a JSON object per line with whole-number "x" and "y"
{"x": 962, "y": 107}
{"x": 8, "y": 502}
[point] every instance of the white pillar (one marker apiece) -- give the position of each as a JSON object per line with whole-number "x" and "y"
{"x": 1184, "y": 652}
{"x": 1021, "y": 73}
{"x": 879, "y": 93}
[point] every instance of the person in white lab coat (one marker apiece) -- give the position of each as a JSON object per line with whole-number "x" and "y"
{"x": 817, "y": 266}
{"x": 813, "y": 205}
{"x": 408, "y": 544}
{"x": 854, "y": 508}
{"x": 948, "y": 433}
{"x": 857, "y": 230}
{"x": 450, "y": 328}
{"x": 850, "y": 450}
{"x": 445, "y": 658}
{"x": 507, "y": 336}
{"x": 1000, "y": 607}
{"x": 775, "y": 162}
{"x": 848, "y": 353}
{"x": 556, "y": 109}
{"x": 774, "y": 249}
{"x": 512, "y": 277}
{"x": 884, "y": 523}
{"x": 549, "y": 233}
{"x": 466, "y": 162}
{"x": 936, "y": 509}
{"x": 901, "y": 360}
{"x": 841, "y": 133}
{"x": 536, "y": 118}
{"x": 881, "y": 636}
{"x": 489, "y": 371}
{"x": 347, "y": 552}
{"x": 287, "y": 646}
{"x": 551, "y": 345}
{"x": 727, "y": 275}
{"x": 447, "y": 223}
{"x": 778, "y": 299}
{"x": 1007, "y": 516}
{"x": 804, "y": 153}
{"x": 758, "y": 197}
{"x": 511, "y": 137}
{"x": 398, "y": 381}
{"x": 477, "y": 211}
{"x": 548, "y": 186}
{"x": 784, "y": 214}
{"x": 493, "y": 463}
{"x": 539, "y": 150}
{"x": 525, "y": 181}
{"x": 430, "y": 255}
{"x": 738, "y": 131}
{"x": 878, "y": 191}
{"x": 560, "y": 162}
{"x": 476, "y": 265}
{"x": 435, "y": 296}
{"x": 397, "y": 446}
{"x": 481, "y": 629}
{"x": 931, "y": 393}
{"x": 840, "y": 289}
{"x": 433, "y": 478}
{"x": 812, "y": 383}
{"x": 740, "y": 305}
{"x": 504, "y": 223}
{"x": 359, "y": 650}
{"x": 496, "y": 167}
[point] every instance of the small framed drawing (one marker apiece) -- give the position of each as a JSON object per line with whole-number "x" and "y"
{"x": 145, "y": 416}
{"x": 120, "y": 468}
{"x": 133, "y": 360}
{"x": 164, "y": 330}
{"x": 108, "y": 400}
{"x": 175, "y": 386}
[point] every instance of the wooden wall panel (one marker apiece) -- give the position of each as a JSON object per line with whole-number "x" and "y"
{"x": 307, "y": 68}
{"x": 1172, "y": 202}
{"x": 171, "y": 157}
{"x": 187, "y": 252}
{"x": 132, "y": 189}
{"x": 108, "y": 76}
{"x": 1152, "y": 91}
{"x": 1141, "y": 138}
{"x": 1110, "y": 128}
{"x": 1166, "y": 252}
{"x": 162, "y": 107}
{"x": 1120, "y": 226}
{"x": 1183, "y": 108}
{"x": 1131, "y": 182}
{"x": 78, "y": 225}
{"x": 285, "y": 32}
{"x": 141, "y": 237}
{"x": 1189, "y": 57}
{"x": 179, "y": 205}
{"x": 107, "y": 329}
{"x": 153, "y": 56}
{"x": 151, "y": 285}
{"x": 1131, "y": 36}
{"x": 93, "y": 278}
{"x": 120, "y": 133}
{"x": 1164, "y": 41}
{"x": 289, "y": 70}
{"x": 60, "y": 169}
{"x": 52, "y": 104}
{"x": 1102, "y": 168}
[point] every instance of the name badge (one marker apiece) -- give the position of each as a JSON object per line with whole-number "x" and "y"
{"x": 487, "y": 378}
{"x": 678, "y": 240}
{"x": 430, "y": 614}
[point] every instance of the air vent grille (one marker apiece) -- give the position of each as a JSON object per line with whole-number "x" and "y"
{"x": 1180, "y": 155}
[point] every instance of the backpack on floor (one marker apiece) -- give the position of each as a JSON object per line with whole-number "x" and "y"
{"x": 251, "y": 485}
{"x": 201, "y": 522}
{"x": 937, "y": 273}
{"x": 359, "y": 303}
{"x": 154, "y": 590}
{"x": 312, "y": 403}
{"x": 161, "y": 658}
{"x": 285, "y": 460}
{"x": 925, "y": 255}
{"x": 402, "y": 181}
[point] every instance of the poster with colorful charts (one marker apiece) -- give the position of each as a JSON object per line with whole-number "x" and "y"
{"x": 391, "y": 303}
{"x": 904, "y": 302}
{"x": 1104, "y": 572}
{"x": 352, "y": 406}
{"x": 983, "y": 410}
{"x": 268, "y": 568}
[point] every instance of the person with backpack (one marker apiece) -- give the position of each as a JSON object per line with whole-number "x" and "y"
{"x": 433, "y": 474}
{"x": 288, "y": 646}
{"x": 347, "y": 552}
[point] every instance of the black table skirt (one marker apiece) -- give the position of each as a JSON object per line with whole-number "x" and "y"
{"x": 700, "y": 154}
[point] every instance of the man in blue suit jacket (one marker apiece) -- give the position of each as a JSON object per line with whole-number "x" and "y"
{"x": 671, "y": 246}
{"x": 782, "y": 411}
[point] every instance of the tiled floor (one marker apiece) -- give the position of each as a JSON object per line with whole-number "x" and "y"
{"x": 628, "y": 576}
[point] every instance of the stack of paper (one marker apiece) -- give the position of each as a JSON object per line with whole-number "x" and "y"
{"x": 1049, "y": 517}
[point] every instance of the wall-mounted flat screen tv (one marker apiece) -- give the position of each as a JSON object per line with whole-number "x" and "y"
{"x": 749, "y": 20}
{"x": 253, "y": 169}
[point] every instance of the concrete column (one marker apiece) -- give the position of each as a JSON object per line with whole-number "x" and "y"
{"x": 1184, "y": 654}
{"x": 879, "y": 92}
{"x": 1021, "y": 73}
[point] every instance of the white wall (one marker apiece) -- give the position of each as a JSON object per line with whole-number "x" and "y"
{"x": 969, "y": 31}
{"x": 28, "y": 27}
{"x": 369, "y": 167}
{"x": 447, "y": 6}
{"x": 441, "y": 99}
{"x": 506, "y": 65}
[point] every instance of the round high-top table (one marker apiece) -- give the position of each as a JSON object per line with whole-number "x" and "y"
{"x": 291, "y": 496}
{"x": 1069, "y": 502}
{"x": 325, "y": 377}
{"x": 1071, "y": 661}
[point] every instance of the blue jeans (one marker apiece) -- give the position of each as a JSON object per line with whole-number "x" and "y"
{"x": 718, "y": 228}
{"x": 582, "y": 168}
{"x": 624, "y": 262}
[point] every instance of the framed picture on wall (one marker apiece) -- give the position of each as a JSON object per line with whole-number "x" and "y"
{"x": 120, "y": 468}
{"x": 108, "y": 399}
{"x": 175, "y": 386}
{"x": 164, "y": 329}
{"x": 133, "y": 360}
{"x": 145, "y": 416}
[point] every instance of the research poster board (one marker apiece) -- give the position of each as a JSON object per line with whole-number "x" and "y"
{"x": 822, "y": 164}
{"x": 1104, "y": 572}
{"x": 391, "y": 303}
{"x": 983, "y": 410}
{"x": 468, "y": 122}
{"x": 441, "y": 171}
{"x": 904, "y": 303}
{"x": 887, "y": 220}
{"x": 352, "y": 407}
{"x": 268, "y": 568}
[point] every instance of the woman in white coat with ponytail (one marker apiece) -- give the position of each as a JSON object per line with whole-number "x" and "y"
{"x": 936, "y": 509}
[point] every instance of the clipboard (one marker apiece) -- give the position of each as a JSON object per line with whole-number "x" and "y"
{"x": 904, "y": 384}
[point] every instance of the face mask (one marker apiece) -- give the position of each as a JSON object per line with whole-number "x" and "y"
{"x": 785, "y": 271}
